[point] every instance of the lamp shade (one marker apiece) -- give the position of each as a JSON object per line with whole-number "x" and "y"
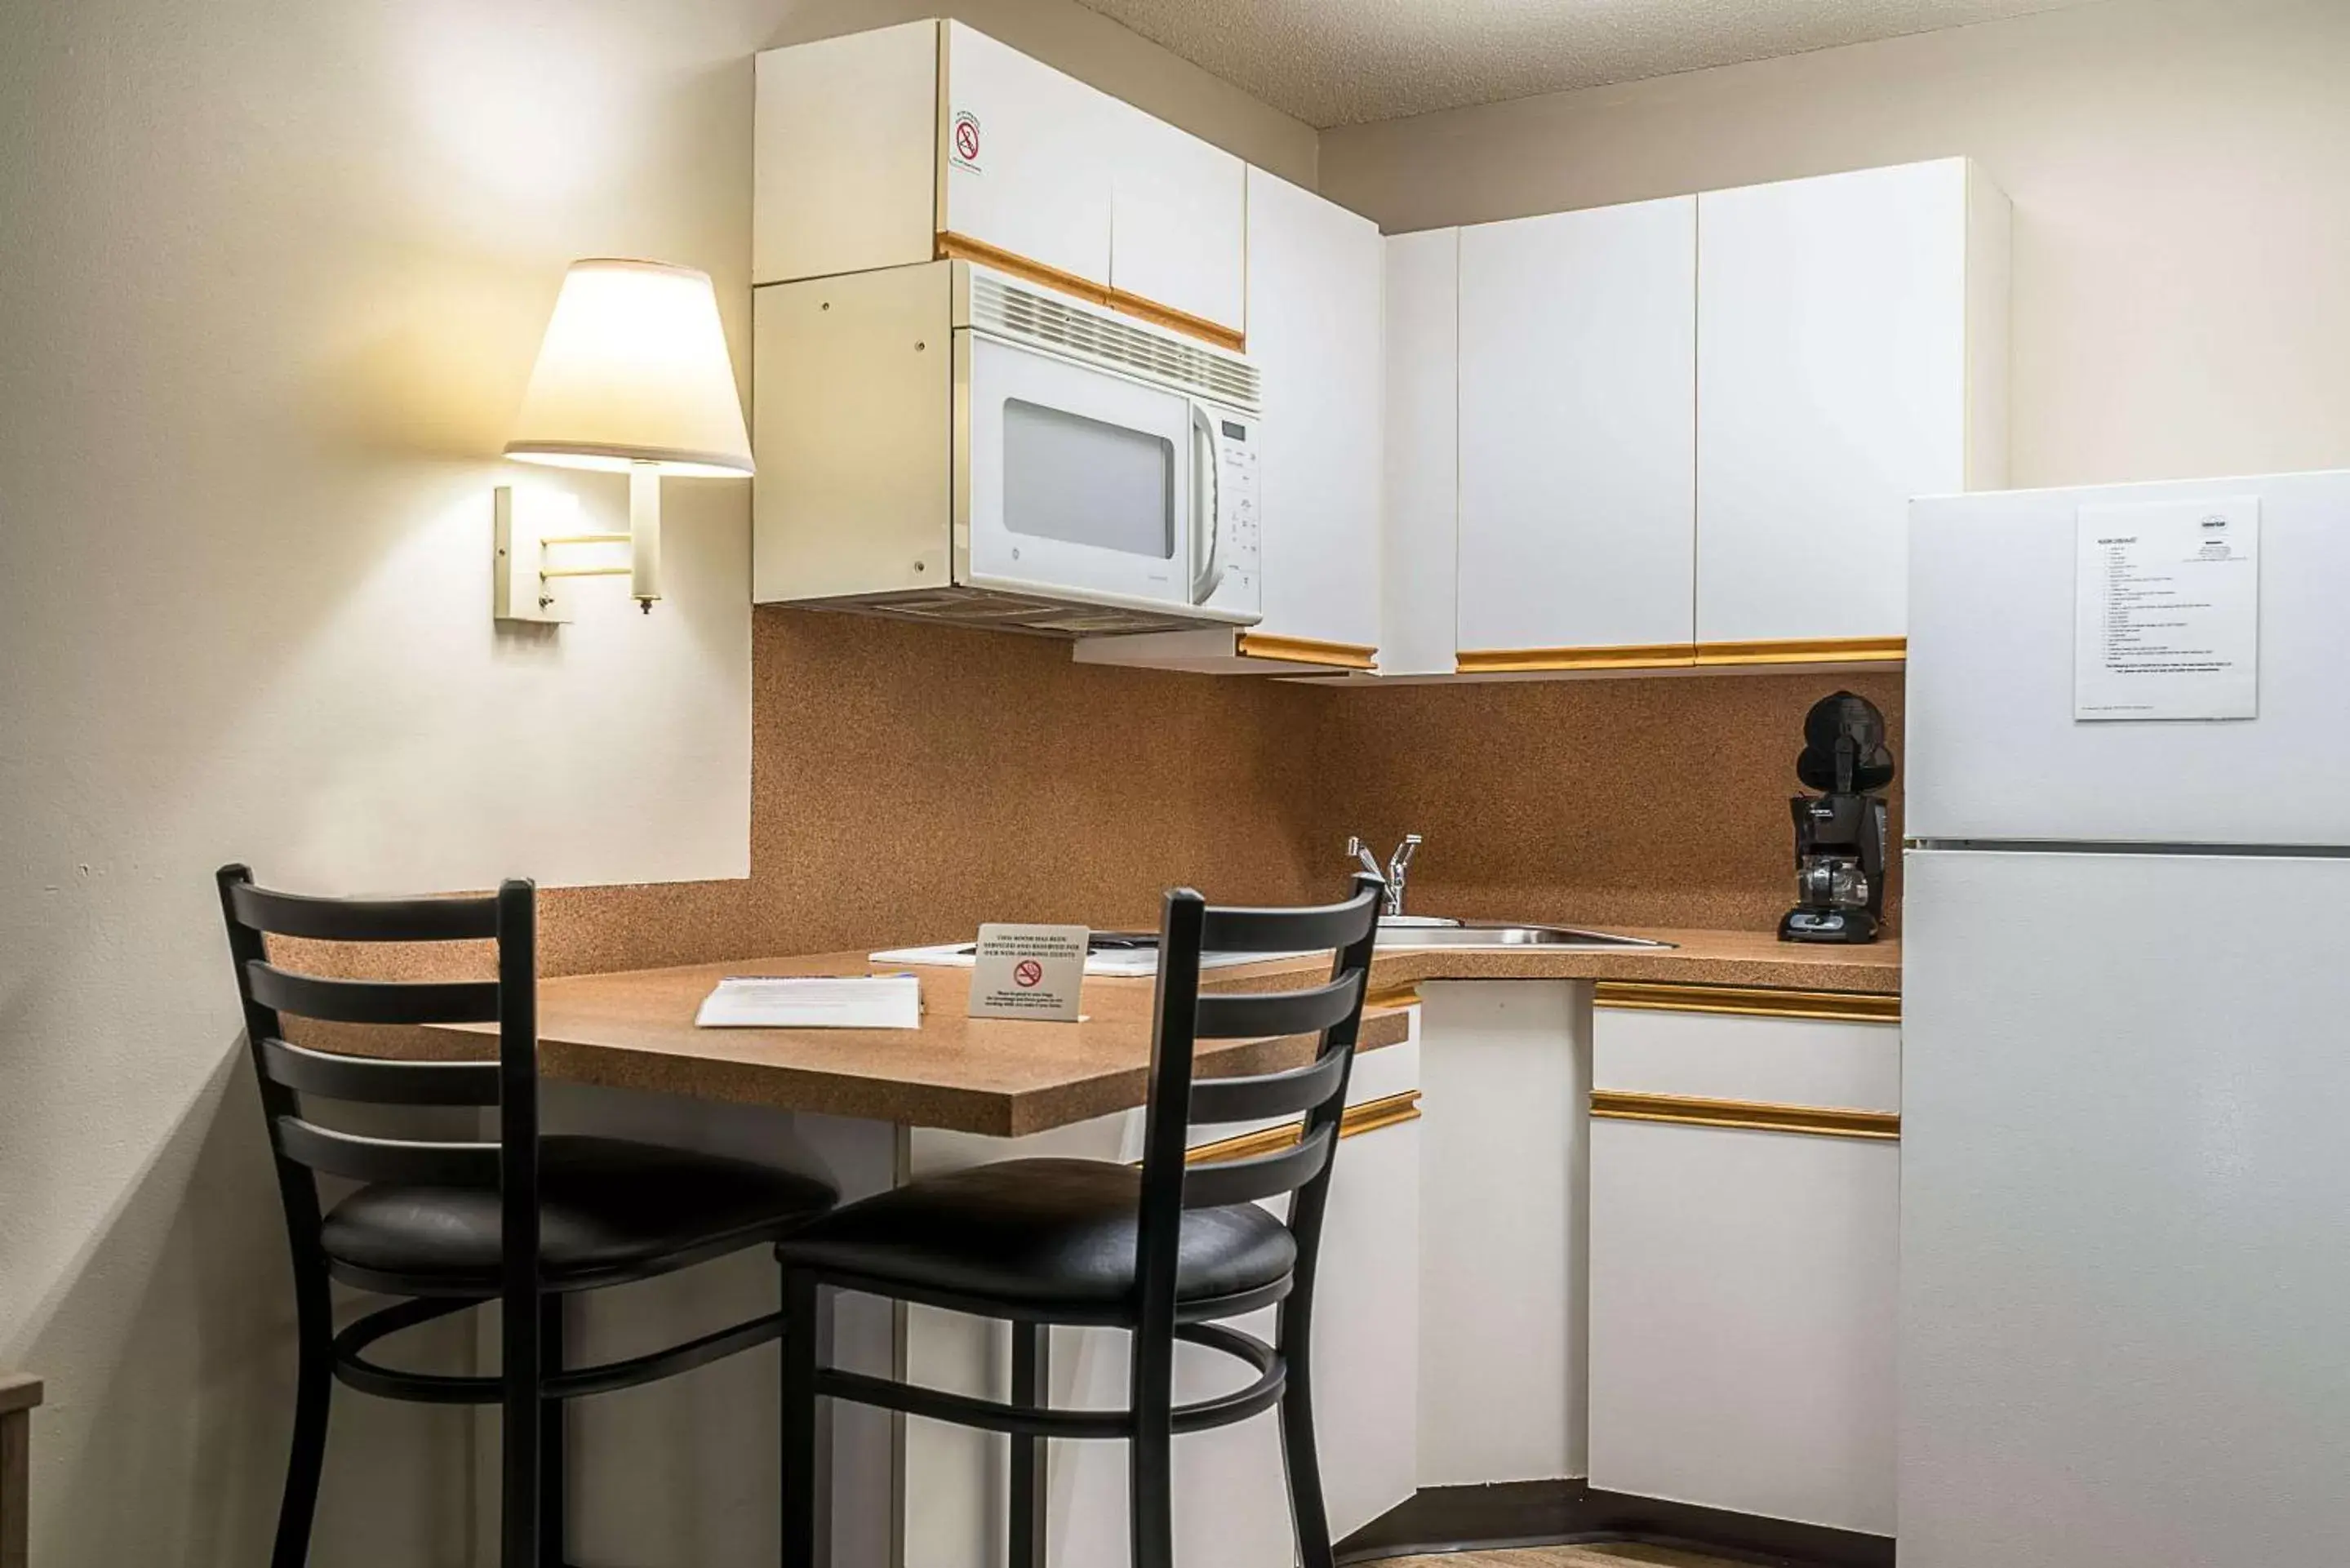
{"x": 633, "y": 370}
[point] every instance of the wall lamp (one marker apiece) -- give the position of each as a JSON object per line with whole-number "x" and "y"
{"x": 632, "y": 378}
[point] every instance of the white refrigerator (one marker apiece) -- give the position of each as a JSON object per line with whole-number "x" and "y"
{"x": 2126, "y": 1112}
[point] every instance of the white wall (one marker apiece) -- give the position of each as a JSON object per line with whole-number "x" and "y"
{"x": 2182, "y": 218}
{"x": 275, "y": 272}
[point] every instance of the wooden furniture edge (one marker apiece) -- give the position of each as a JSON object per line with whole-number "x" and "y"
{"x": 1626, "y": 656}
{"x": 1306, "y": 651}
{"x": 1369, "y": 1116}
{"x": 1750, "y": 1116}
{"x": 1807, "y": 650}
{"x": 1746, "y": 1001}
{"x": 19, "y": 1393}
{"x": 952, "y": 246}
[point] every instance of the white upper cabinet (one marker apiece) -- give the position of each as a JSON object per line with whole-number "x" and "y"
{"x": 1851, "y": 337}
{"x": 1577, "y": 429}
{"x": 897, "y": 146}
{"x": 1315, "y": 304}
{"x": 1423, "y": 470}
{"x": 1028, "y": 157}
{"x": 845, "y": 164}
{"x": 1177, "y": 220}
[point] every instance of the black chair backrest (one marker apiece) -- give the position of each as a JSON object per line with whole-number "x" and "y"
{"x": 1317, "y": 1091}
{"x": 288, "y": 1072}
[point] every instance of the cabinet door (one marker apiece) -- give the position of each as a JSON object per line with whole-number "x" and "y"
{"x": 1024, "y": 156}
{"x": 1579, "y": 348}
{"x": 1316, "y": 282}
{"x": 1366, "y": 1320}
{"x": 1832, "y": 388}
{"x": 845, "y": 159}
{"x": 1743, "y": 1281}
{"x": 1507, "y": 1065}
{"x": 1177, "y": 220}
{"x": 1419, "y": 537}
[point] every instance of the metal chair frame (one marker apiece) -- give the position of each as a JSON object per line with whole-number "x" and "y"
{"x": 532, "y": 1382}
{"x": 1157, "y": 1319}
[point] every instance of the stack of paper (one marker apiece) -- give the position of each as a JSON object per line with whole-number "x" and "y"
{"x": 814, "y": 1001}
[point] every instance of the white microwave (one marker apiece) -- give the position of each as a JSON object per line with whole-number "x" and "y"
{"x": 945, "y": 442}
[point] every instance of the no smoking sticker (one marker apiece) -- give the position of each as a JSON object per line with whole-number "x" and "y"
{"x": 1028, "y": 971}
{"x": 965, "y": 142}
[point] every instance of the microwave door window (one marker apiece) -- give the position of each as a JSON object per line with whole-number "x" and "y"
{"x": 1080, "y": 480}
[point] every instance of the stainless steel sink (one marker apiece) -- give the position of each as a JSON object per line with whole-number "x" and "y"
{"x": 1503, "y": 936}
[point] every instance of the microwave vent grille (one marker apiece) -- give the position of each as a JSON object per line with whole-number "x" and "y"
{"x": 1007, "y": 612}
{"x": 1000, "y": 306}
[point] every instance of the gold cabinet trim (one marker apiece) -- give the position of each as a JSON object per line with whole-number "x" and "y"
{"x": 1368, "y": 1117}
{"x": 1306, "y": 651}
{"x": 1746, "y": 1001}
{"x": 1807, "y": 650}
{"x": 1629, "y": 656}
{"x": 1406, "y": 995}
{"x": 953, "y": 247}
{"x": 1750, "y": 1116}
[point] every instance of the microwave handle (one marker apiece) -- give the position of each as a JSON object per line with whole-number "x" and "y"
{"x": 1207, "y": 507}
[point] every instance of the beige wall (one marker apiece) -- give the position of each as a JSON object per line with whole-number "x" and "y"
{"x": 273, "y": 275}
{"x": 2182, "y": 214}
{"x": 274, "y": 272}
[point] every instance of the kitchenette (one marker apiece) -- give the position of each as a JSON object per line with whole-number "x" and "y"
{"x": 1093, "y": 783}
{"x": 1614, "y": 1223}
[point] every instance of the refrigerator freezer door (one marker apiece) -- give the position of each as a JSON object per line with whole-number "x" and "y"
{"x": 1994, "y": 752}
{"x": 2124, "y": 1211}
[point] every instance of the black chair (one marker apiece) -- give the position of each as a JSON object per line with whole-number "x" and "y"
{"x": 1165, "y": 1252}
{"x": 523, "y": 1221}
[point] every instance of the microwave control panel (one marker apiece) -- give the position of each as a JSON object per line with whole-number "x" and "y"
{"x": 1238, "y": 498}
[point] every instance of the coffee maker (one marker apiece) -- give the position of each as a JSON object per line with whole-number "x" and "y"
{"x": 1840, "y": 832}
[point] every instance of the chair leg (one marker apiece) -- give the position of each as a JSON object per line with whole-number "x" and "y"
{"x": 1151, "y": 1477}
{"x": 1303, "y": 1460}
{"x": 314, "y": 1388}
{"x": 799, "y": 1421}
{"x": 1150, "y": 1448}
{"x": 551, "y": 1447}
{"x": 521, "y": 1413}
{"x": 1031, "y": 1384}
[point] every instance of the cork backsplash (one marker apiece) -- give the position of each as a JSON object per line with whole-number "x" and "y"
{"x": 1648, "y": 802}
{"x": 911, "y": 781}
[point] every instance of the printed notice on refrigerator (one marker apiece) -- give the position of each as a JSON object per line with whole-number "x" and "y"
{"x": 2167, "y": 618}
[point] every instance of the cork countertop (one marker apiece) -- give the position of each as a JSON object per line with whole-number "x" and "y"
{"x": 1009, "y": 1078}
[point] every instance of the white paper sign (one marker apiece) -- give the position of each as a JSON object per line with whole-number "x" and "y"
{"x": 813, "y": 1002}
{"x": 1028, "y": 971}
{"x": 2167, "y": 610}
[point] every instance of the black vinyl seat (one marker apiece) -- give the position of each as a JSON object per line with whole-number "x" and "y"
{"x": 1041, "y": 1237}
{"x": 609, "y": 1210}
{"x": 1169, "y": 1252}
{"x": 515, "y": 1218}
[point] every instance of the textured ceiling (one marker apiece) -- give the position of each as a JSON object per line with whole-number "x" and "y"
{"x": 1343, "y": 62}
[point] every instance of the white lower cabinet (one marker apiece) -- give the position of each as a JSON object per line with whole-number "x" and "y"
{"x": 1367, "y": 1307}
{"x": 1507, "y": 1065}
{"x": 1232, "y": 1501}
{"x": 1742, "y": 1277}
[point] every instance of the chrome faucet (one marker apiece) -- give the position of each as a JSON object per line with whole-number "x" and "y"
{"x": 1398, "y": 868}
